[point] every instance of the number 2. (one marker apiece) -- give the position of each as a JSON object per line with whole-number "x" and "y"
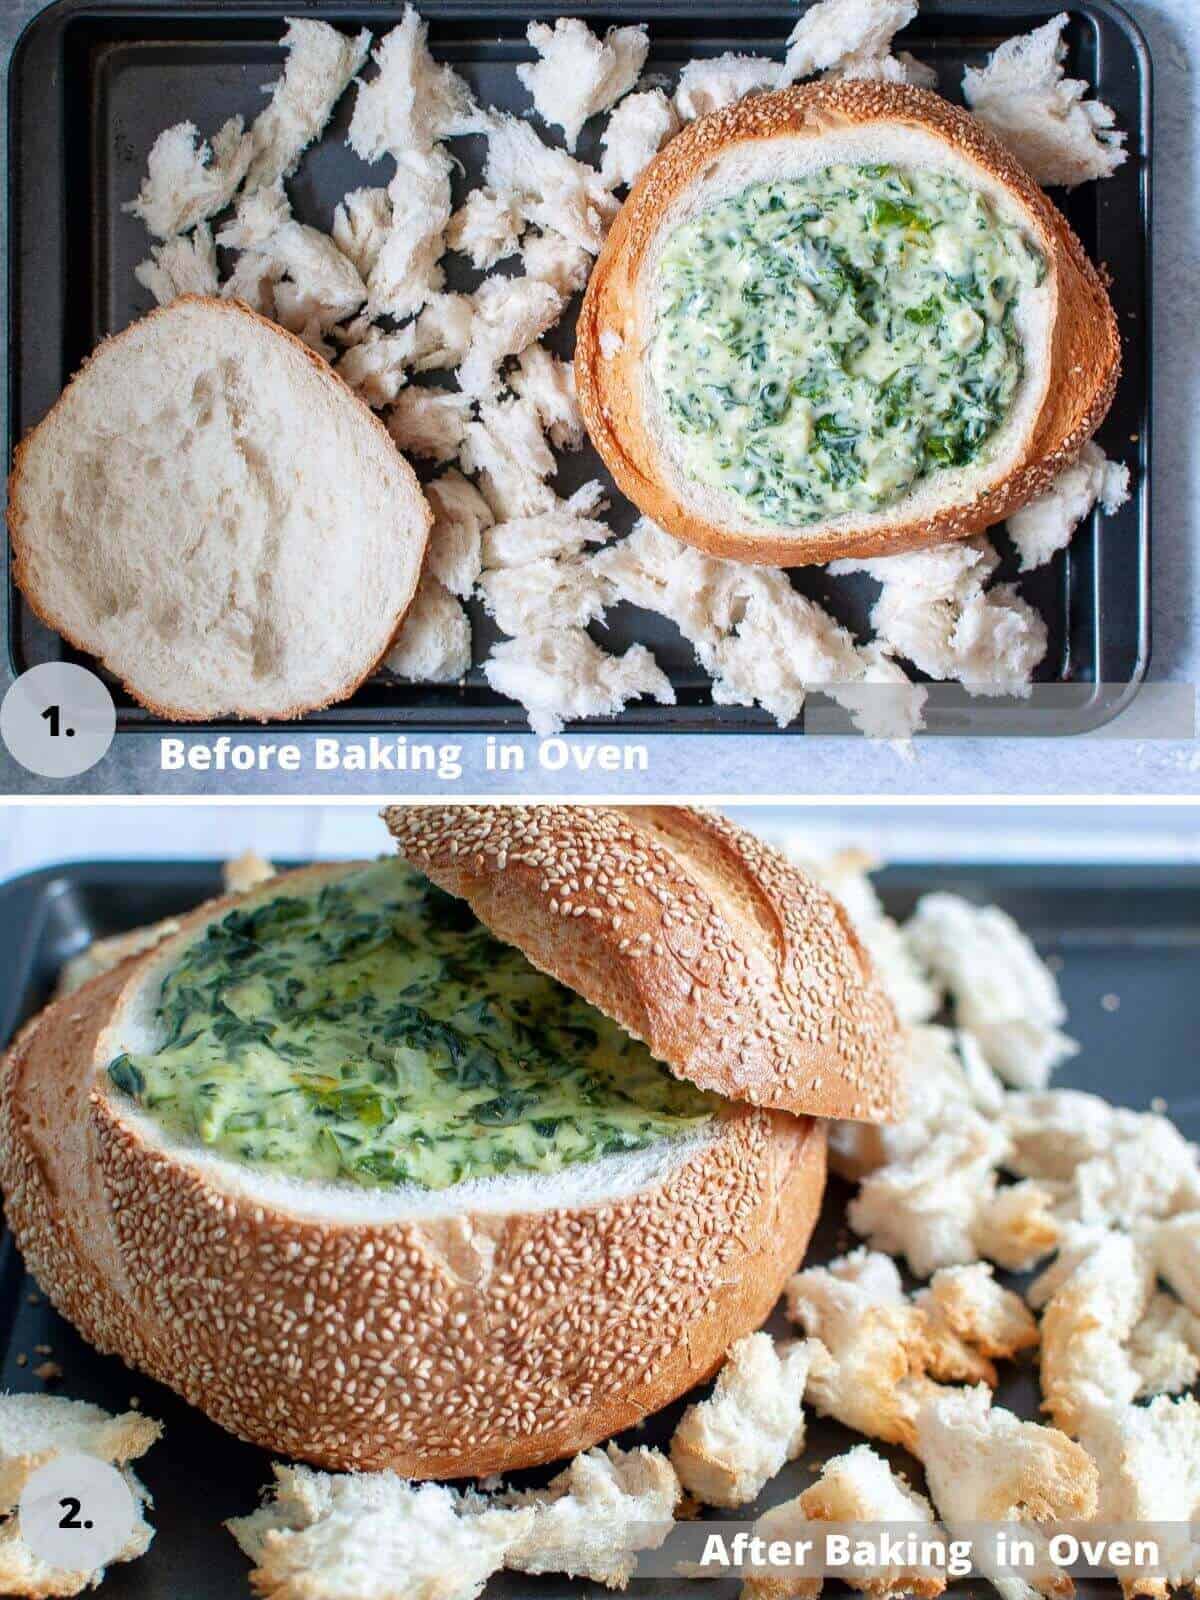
{"x": 72, "y": 1506}
{"x": 51, "y": 715}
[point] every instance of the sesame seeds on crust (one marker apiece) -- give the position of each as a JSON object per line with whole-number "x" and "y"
{"x": 737, "y": 971}
{"x": 1085, "y": 355}
{"x": 440, "y": 1347}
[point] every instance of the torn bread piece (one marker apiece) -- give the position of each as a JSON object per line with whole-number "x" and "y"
{"x": 506, "y": 450}
{"x": 246, "y": 871}
{"x": 577, "y": 75}
{"x": 187, "y": 179}
{"x": 377, "y": 367}
{"x": 1164, "y": 1348}
{"x": 966, "y": 1310}
{"x": 1149, "y": 1464}
{"x": 554, "y": 191}
{"x": 900, "y": 68}
{"x": 341, "y": 1536}
{"x": 592, "y": 1519}
{"x": 412, "y": 102}
{"x": 1176, "y": 1247}
{"x": 713, "y": 82}
{"x": 319, "y": 66}
{"x": 1086, "y": 1326}
{"x": 253, "y": 281}
{"x": 1000, "y": 988}
{"x": 728, "y": 1447}
{"x": 1023, "y": 95}
{"x": 983, "y": 1464}
{"x": 430, "y": 422}
{"x": 549, "y": 592}
{"x": 833, "y": 32}
{"x": 318, "y": 285}
{"x": 443, "y": 332}
{"x": 933, "y": 610}
{"x": 560, "y": 262}
{"x": 186, "y": 264}
{"x": 560, "y": 675}
{"x": 1042, "y": 528}
{"x": 460, "y": 515}
{"x": 362, "y": 221}
{"x": 634, "y": 134}
{"x": 870, "y": 1373}
{"x": 510, "y": 315}
{"x": 406, "y": 273}
{"x": 34, "y": 1430}
{"x": 434, "y": 641}
{"x": 563, "y": 531}
{"x": 942, "y": 1205}
{"x": 858, "y": 1486}
{"x": 548, "y": 383}
{"x": 259, "y": 216}
{"x": 24, "y": 1573}
{"x": 486, "y": 228}
{"x": 1103, "y": 1164}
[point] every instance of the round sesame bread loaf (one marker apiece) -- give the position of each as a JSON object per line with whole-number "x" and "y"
{"x": 734, "y": 968}
{"x": 213, "y": 514}
{"x": 488, "y": 1326}
{"x": 1068, "y": 327}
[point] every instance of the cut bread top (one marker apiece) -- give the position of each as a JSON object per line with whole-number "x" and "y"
{"x": 1066, "y": 326}
{"x": 212, "y": 513}
{"x": 733, "y": 966}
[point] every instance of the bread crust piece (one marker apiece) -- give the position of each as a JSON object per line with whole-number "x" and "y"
{"x": 1085, "y": 351}
{"x": 22, "y": 533}
{"x": 733, "y": 966}
{"x": 448, "y": 1346}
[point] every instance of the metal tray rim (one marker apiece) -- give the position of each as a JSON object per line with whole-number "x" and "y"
{"x": 703, "y": 718}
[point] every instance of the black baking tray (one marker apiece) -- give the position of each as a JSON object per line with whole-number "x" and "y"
{"x": 92, "y": 84}
{"x": 1125, "y": 940}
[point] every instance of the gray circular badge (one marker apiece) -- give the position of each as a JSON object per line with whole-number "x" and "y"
{"x": 58, "y": 719}
{"x": 76, "y": 1512}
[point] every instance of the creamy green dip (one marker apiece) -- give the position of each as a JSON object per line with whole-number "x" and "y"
{"x": 375, "y": 1031}
{"x": 822, "y": 344}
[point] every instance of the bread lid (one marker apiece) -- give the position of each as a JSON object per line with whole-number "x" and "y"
{"x": 734, "y": 968}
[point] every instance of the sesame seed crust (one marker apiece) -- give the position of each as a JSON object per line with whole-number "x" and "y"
{"x": 441, "y": 1347}
{"x": 1085, "y": 356}
{"x": 736, "y": 970}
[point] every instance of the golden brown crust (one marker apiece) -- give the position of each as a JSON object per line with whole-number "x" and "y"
{"x": 20, "y": 539}
{"x": 440, "y": 1347}
{"x": 736, "y": 969}
{"x": 1086, "y": 340}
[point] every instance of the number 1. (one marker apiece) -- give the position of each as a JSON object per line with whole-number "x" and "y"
{"x": 51, "y": 716}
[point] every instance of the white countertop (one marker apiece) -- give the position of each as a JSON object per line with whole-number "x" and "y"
{"x": 1120, "y": 762}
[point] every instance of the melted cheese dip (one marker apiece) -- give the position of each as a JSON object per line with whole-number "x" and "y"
{"x": 822, "y": 344}
{"x": 374, "y": 1031}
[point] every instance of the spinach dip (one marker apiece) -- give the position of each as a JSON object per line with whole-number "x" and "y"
{"x": 374, "y": 1031}
{"x": 821, "y": 344}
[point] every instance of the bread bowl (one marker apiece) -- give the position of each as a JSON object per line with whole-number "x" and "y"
{"x": 213, "y": 514}
{"x": 485, "y": 1324}
{"x": 747, "y": 364}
